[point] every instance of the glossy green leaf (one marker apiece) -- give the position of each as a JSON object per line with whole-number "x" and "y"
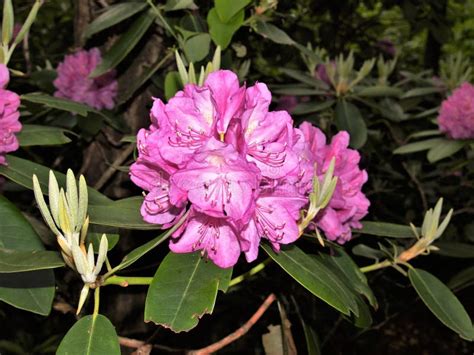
{"x": 455, "y": 249}
{"x": 420, "y": 92}
{"x": 312, "y": 341}
{"x": 34, "y": 290}
{"x": 364, "y": 318}
{"x": 311, "y": 107}
{"x": 379, "y": 91}
{"x": 273, "y": 33}
{"x": 442, "y": 302}
{"x": 18, "y": 260}
{"x": 172, "y": 84}
{"x": 91, "y": 335}
{"x": 174, "y": 5}
{"x": 418, "y": 146}
{"x": 221, "y": 33}
{"x": 462, "y": 279}
{"x": 383, "y": 229}
{"x": 445, "y": 149}
{"x": 58, "y": 103}
{"x": 368, "y": 252}
{"x": 184, "y": 288}
{"x": 301, "y": 77}
{"x": 315, "y": 277}
{"x": 123, "y": 213}
{"x": 21, "y": 171}
{"x": 196, "y": 48}
{"x": 349, "y": 118}
{"x": 227, "y": 9}
{"x": 8, "y": 21}
{"x": 32, "y": 135}
{"x": 114, "y": 14}
{"x": 124, "y": 44}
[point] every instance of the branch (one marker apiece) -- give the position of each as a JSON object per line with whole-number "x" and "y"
{"x": 239, "y": 332}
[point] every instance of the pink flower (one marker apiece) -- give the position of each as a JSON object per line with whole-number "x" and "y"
{"x": 456, "y": 116}
{"x": 348, "y": 204}
{"x": 73, "y": 80}
{"x": 9, "y": 116}
{"x": 322, "y": 74}
{"x": 242, "y": 172}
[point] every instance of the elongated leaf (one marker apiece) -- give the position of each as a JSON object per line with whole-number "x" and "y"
{"x": 349, "y": 118}
{"x": 8, "y": 21}
{"x": 311, "y": 107}
{"x": 222, "y": 32}
{"x": 442, "y": 302}
{"x": 298, "y": 91}
{"x": 174, "y": 5}
{"x": 315, "y": 277}
{"x": 196, "y": 48}
{"x": 113, "y": 15}
{"x": 301, "y": 77}
{"x": 32, "y": 135}
{"x": 58, "y": 103}
{"x": 418, "y": 146}
{"x": 312, "y": 341}
{"x": 172, "y": 84}
{"x": 184, "y": 288}
{"x": 455, "y": 249}
{"x": 124, "y": 44}
{"x": 227, "y": 9}
{"x": 21, "y": 171}
{"x": 379, "y": 91}
{"x": 383, "y": 229}
{"x": 19, "y": 261}
{"x": 95, "y": 238}
{"x": 462, "y": 279}
{"x": 445, "y": 149}
{"x": 123, "y": 213}
{"x": 368, "y": 252}
{"x": 91, "y": 335}
{"x": 32, "y": 291}
{"x": 273, "y": 33}
{"x": 420, "y": 92}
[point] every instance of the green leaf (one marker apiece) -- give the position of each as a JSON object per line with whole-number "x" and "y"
{"x": 183, "y": 289}
{"x": 420, "y": 92}
{"x": 383, "y": 229}
{"x": 348, "y": 118}
{"x": 21, "y": 171}
{"x": 91, "y": 335}
{"x": 301, "y": 77}
{"x": 447, "y": 148}
{"x": 368, "y": 252}
{"x": 8, "y": 21}
{"x": 442, "y": 302}
{"x": 312, "y": 341}
{"x": 58, "y": 103}
{"x": 462, "y": 279}
{"x": 315, "y": 277}
{"x": 221, "y": 33}
{"x": 28, "y": 22}
{"x": 418, "y": 146}
{"x": 311, "y": 107}
{"x": 455, "y": 249}
{"x": 32, "y": 135}
{"x": 174, "y": 5}
{"x": 379, "y": 91}
{"x": 34, "y": 290}
{"x": 172, "y": 84}
{"x": 19, "y": 261}
{"x": 273, "y": 33}
{"x": 113, "y": 15}
{"x": 298, "y": 91}
{"x": 227, "y": 9}
{"x": 123, "y": 213}
{"x": 196, "y": 48}
{"x": 124, "y": 44}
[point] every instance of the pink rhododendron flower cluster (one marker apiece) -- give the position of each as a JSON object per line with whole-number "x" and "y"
{"x": 456, "y": 116}
{"x": 9, "y": 116}
{"x": 73, "y": 80}
{"x": 243, "y": 172}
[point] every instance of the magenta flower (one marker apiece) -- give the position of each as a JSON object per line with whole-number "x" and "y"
{"x": 73, "y": 80}
{"x": 456, "y": 116}
{"x": 243, "y": 172}
{"x": 348, "y": 204}
{"x": 9, "y": 116}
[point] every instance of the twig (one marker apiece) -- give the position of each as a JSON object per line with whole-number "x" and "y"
{"x": 113, "y": 168}
{"x": 143, "y": 346}
{"x": 239, "y": 332}
{"x": 26, "y": 54}
{"x": 418, "y": 186}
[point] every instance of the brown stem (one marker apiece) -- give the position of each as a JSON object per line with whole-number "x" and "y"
{"x": 239, "y": 332}
{"x": 113, "y": 168}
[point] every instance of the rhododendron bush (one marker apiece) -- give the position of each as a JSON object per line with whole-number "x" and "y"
{"x": 220, "y": 168}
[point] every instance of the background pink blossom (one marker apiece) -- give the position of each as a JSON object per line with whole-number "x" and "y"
{"x": 456, "y": 116}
